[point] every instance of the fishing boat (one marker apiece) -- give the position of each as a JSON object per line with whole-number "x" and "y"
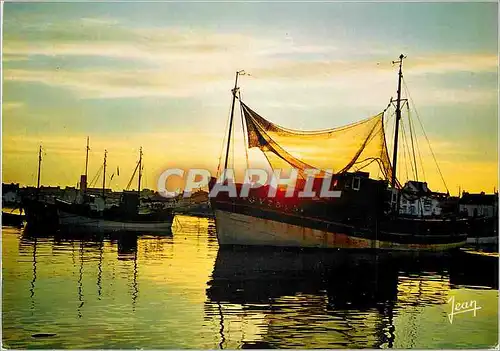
{"x": 363, "y": 212}
{"x": 93, "y": 213}
{"x": 40, "y": 211}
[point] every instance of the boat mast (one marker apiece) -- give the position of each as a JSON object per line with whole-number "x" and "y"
{"x": 140, "y": 173}
{"x": 398, "y": 118}
{"x": 86, "y": 167}
{"x": 39, "y": 167}
{"x": 87, "y": 158}
{"x": 104, "y": 173}
{"x": 231, "y": 118}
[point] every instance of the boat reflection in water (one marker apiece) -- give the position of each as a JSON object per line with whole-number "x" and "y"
{"x": 87, "y": 247}
{"x": 181, "y": 291}
{"x": 307, "y": 299}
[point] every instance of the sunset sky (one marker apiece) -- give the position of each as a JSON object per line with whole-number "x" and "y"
{"x": 159, "y": 75}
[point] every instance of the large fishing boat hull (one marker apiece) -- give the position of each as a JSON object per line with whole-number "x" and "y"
{"x": 284, "y": 230}
{"x": 69, "y": 220}
{"x": 355, "y": 219}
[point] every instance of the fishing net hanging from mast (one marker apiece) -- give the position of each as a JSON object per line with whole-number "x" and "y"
{"x": 359, "y": 146}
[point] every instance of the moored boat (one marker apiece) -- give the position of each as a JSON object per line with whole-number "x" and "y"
{"x": 363, "y": 213}
{"x": 40, "y": 211}
{"x": 126, "y": 216}
{"x": 92, "y": 213}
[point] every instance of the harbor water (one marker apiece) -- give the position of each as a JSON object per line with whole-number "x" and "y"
{"x": 179, "y": 290}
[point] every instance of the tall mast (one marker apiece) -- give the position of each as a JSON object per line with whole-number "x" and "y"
{"x": 231, "y": 118}
{"x": 39, "y": 167}
{"x": 83, "y": 179}
{"x": 140, "y": 172}
{"x": 104, "y": 173}
{"x": 87, "y": 158}
{"x": 398, "y": 118}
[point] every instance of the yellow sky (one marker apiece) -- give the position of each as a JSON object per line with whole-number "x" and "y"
{"x": 162, "y": 81}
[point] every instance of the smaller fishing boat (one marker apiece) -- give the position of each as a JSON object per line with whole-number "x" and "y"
{"x": 40, "y": 212}
{"x": 125, "y": 216}
{"x": 93, "y": 213}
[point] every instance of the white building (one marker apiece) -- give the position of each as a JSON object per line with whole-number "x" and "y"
{"x": 416, "y": 199}
{"x": 479, "y": 205}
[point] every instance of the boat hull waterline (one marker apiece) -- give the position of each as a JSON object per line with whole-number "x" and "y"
{"x": 240, "y": 229}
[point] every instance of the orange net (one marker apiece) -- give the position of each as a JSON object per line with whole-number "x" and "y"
{"x": 354, "y": 147}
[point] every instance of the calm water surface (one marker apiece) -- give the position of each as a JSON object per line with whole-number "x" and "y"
{"x": 179, "y": 290}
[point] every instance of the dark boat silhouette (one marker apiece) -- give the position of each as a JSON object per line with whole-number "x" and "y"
{"x": 363, "y": 213}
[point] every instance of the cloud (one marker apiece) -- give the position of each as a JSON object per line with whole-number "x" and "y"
{"x": 440, "y": 64}
{"x": 119, "y": 84}
{"x": 457, "y": 96}
{"x": 349, "y": 83}
{"x": 185, "y": 61}
{"x": 108, "y": 38}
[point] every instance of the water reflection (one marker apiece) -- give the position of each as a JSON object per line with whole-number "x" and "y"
{"x": 127, "y": 245}
{"x": 91, "y": 246}
{"x": 32, "y": 289}
{"x": 286, "y": 293}
{"x": 99, "y": 269}
{"x": 180, "y": 291}
{"x": 292, "y": 298}
{"x": 80, "y": 283}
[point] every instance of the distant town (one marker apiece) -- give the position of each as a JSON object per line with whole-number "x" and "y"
{"x": 426, "y": 204}
{"x": 196, "y": 204}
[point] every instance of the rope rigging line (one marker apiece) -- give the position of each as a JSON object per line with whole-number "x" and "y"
{"x": 412, "y": 145}
{"x": 406, "y": 152}
{"x": 418, "y": 148}
{"x": 110, "y": 179}
{"x": 232, "y": 143}
{"x": 407, "y": 145}
{"x": 425, "y": 135}
{"x": 94, "y": 180}
{"x": 245, "y": 143}
{"x": 132, "y": 178}
{"x": 221, "y": 154}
